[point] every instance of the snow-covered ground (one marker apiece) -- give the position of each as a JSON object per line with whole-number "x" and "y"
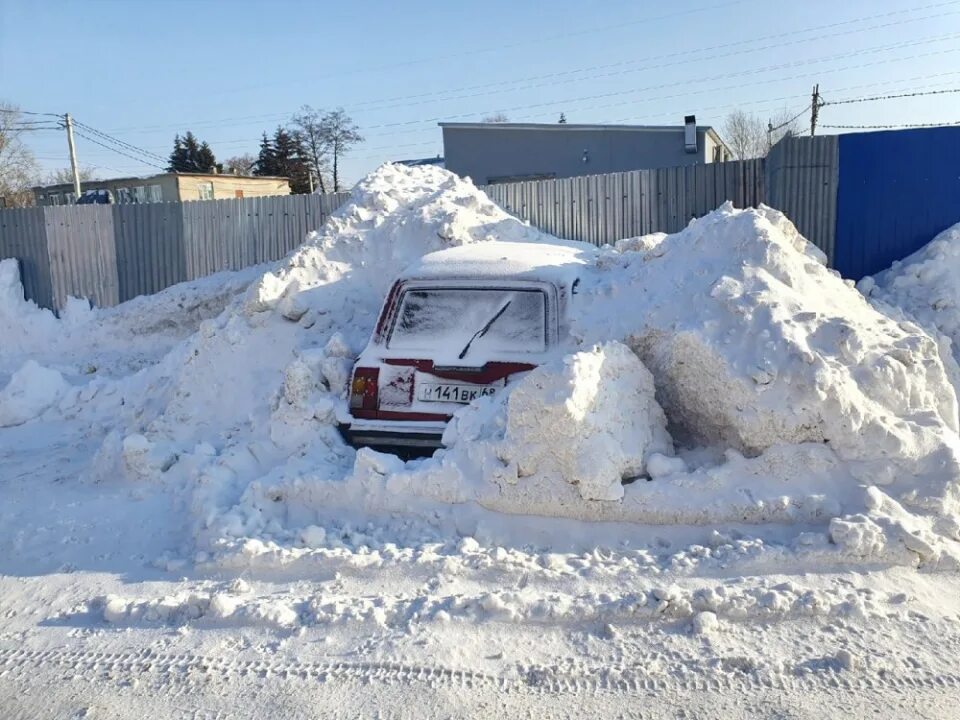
{"x": 732, "y": 492}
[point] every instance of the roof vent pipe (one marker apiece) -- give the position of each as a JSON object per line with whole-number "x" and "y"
{"x": 690, "y": 133}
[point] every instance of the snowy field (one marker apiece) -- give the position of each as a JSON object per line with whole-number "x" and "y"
{"x": 732, "y": 492}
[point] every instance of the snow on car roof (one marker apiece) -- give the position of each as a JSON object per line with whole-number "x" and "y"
{"x": 503, "y": 260}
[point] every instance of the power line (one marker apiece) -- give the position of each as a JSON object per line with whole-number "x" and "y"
{"x": 686, "y": 60}
{"x": 497, "y": 48}
{"x": 736, "y": 86}
{"x": 892, "y": 97}
{"x": 764, "y": 102}
{"x": 566, "y": 102}
{"x": 685, "y": 53}
{"x": 121, "y": 143}
{"x": 119, "y": 152}
{"x": 440, "y": 94}
{"x": 723, "y": 76}
{"x": 787, "y": 122}
{"x": 12, "y": 111}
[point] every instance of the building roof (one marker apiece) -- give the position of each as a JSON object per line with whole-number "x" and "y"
{"x": 573, "y": 127}
{"x": 155, "y": 176}
{"x": 417, "y": 162}
{"x": 566, "y": 127}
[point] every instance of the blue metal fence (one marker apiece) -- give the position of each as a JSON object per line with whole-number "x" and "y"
{"x": 897, "y": 190}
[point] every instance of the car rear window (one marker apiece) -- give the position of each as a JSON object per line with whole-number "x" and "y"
{"x": 443, "y": 320}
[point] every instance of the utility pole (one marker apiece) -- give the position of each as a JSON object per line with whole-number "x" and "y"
{"x": 814, "y": 109}
{"x": 311, "y": 182}
{"x": 68, "y": 123}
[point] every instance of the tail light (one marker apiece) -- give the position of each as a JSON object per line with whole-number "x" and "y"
{"x": 364, "y": 389}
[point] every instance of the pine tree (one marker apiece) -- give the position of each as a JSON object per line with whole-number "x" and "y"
{"x": 266, "y": 160}
{"x": 191, "y": 156}
{"x": 206, "y": 159}
{"x": 284, "y": 156}
{"x": 178, "y": 158}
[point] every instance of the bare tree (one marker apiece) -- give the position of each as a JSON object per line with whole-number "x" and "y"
{"x": 496, "y": 118}
{"x": 745, "y": 135}
{"x": 18, "y": 167}
{"x": 748, "y": 136}
{"x": 309, "y": 127}
{"x": 64, "y": 176}
{"x": 240, "y": 164}
{"x": 339, "y": 134}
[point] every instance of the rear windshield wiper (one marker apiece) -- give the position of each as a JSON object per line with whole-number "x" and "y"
{"x": 483, "y": 331}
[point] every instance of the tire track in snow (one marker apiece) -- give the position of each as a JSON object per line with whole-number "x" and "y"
{"x": 177, "y": 673}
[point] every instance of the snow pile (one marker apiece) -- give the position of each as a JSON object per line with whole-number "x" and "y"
{"x": 753, "y": 342}
{"x": 794, "y": 398}
{"x": 394, "y": 216}
{"x": 110, "y": 342}
{"x": 761, "y": 389}
{"x": 926, "y": 286}
{"x": 32, "y": 390}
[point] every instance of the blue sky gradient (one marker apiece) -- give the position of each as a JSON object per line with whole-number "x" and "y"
{"x": 230, "y": 70}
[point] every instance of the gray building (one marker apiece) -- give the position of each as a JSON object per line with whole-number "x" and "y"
{"x": 511, "y": 152}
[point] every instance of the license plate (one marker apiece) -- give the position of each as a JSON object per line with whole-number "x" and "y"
{"x": 449, "y": 392}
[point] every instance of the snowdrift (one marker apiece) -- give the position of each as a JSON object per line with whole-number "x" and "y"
{"x": 720, "y": 375}
{"x": 926, "y": 287}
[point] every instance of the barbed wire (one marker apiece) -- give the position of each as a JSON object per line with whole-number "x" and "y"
{"x": 890, "y": 97}
{"x": 890, "y": 127}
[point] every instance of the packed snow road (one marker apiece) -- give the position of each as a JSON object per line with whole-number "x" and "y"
{"x": 792, "y": 644}
{"x": 741, "y": 499}
{"x": 829, "y": 644}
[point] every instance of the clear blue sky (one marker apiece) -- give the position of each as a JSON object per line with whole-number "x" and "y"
{"x": 143, "y": 71}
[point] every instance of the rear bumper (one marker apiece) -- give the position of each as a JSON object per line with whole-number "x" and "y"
{"x": 394, "y": 433}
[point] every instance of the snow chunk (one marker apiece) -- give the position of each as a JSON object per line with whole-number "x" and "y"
{"x": 704, "y": 623}
{"x": 32, "y": 390}
{"x": 586, "y": 422}
{"x": 145, "y": 459}
{"x": 22, "y": 323}
{"x": 642, "y": 244}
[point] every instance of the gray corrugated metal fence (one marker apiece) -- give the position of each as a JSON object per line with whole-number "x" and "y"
{"x": 82, "y": 254}
{"x": 234, "y": 234}
{"x": 603, "y": 208}
{"x": 803, "y": 178}
{"x": 110, "y": 254}
{"x": 149, "y": 247}
{"x": 23, "y": 235}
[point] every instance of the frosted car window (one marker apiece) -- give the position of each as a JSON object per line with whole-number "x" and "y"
{"x": 432, "y": 319}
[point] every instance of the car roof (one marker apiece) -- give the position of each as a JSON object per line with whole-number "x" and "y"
{"x": 500, "y": 260}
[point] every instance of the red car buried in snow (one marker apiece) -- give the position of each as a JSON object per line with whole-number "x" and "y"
{"x": 458, "y": 325}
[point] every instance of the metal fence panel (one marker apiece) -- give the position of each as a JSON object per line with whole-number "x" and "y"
{"x": 83, "y": 258}
{"x": 23, "y": 235}
{"x": 897, "y": 191}
{"x": 233, "y": 234}
{"x": 156, "y": 245}
{"x": 602, "y": 209}
{"x": 802, "y": 177}
{"x": 149, "y": 246}
{"x": 110, "y": 254}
